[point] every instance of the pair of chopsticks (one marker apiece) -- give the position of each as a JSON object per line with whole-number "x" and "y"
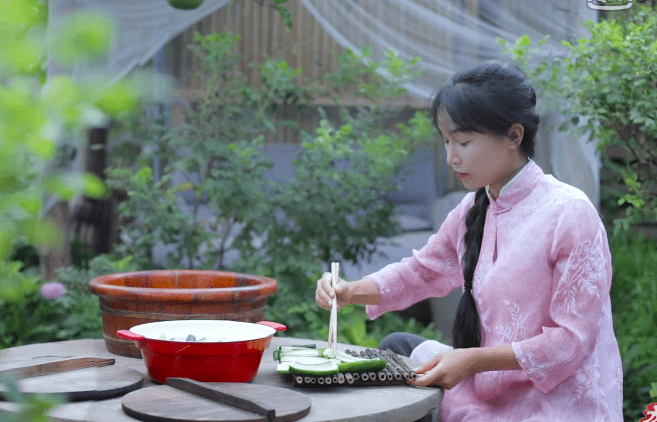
{"x": 333, "y": 322}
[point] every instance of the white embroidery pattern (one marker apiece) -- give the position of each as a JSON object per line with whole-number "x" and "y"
{"x": 587, "y": 379}
{"x": 516, "y": 331}
{"x": 476, "y": 291}
{"x": 581, "y": 274}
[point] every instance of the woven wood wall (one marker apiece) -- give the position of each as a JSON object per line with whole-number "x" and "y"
{"x": 263, "y": 33}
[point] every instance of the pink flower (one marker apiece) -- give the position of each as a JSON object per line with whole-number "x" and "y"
{"x": 52, "y": 290}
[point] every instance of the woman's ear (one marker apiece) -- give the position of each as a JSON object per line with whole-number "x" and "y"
{"x": 516, "y": 132}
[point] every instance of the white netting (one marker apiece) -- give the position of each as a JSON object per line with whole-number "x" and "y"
{"x": 447, "y": 35}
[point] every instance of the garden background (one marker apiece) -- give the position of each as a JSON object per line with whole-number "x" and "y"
{"x": 155, "y": 168}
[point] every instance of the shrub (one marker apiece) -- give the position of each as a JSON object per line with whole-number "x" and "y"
{"x": 605, "y": 87}
{"x": 36, "y": 319}
{"x": 74, "y": 313}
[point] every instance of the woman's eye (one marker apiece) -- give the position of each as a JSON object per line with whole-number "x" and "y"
{"x": 464, "y": 143}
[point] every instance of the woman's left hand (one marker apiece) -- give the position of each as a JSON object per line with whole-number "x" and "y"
{"x": 445, "y": 369}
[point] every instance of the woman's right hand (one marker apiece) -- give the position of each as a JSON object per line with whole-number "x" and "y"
{"x": 325, "y": 293}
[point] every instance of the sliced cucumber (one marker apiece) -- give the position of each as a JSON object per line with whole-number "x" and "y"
{"x": 344, "y": 357}
{"x": 307, "y": 352}
{"x": 363, "y": 365}
{"x": 323, "y": 369}
{"x": 296, "y": 350}
{"x": 283, "y": 368}
{"x": 318, "y": 362}
{"x": 305, "y": 360}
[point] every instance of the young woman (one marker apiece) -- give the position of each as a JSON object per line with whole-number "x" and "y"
{"x": 533, "y": 335}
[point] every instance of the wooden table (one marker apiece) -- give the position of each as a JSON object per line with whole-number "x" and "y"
{"x": 337, "y": 403}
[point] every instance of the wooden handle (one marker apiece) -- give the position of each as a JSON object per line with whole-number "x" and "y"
{"x": 56, "y": 367}
{"x": 222, "y": 396}
{"x": 129, "y": 335}
{"x": 275, "y": 325}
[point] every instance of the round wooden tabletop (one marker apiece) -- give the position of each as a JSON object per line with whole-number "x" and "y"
{"x": 337, "y": 403}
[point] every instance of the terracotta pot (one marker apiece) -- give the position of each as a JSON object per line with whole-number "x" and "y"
{"x": 129, "y": 299}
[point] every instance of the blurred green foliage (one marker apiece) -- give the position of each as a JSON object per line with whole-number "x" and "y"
{"x": 41, "y": 121}
{"x": 33, "y": 408}
{"x": 37, "y": 115}
{"x": 634, "y": 304}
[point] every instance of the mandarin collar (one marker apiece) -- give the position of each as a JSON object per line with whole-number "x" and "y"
{"x": 516, "y": 189}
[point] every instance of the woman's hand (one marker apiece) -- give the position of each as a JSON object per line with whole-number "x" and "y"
{"x": 450, "y": 368}
{"x": 445, "y": 369}
{"x": 361, "y": 292}
{"x": 325, "y": 293}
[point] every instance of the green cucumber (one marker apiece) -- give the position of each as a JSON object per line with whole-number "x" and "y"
{"x": 323, "y": 369}
{"x": 363, "y": 365}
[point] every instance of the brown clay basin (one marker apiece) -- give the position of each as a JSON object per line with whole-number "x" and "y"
{"x": 130, "y": 299}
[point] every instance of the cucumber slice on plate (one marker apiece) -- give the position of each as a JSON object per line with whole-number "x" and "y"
{"x": 283, "y": 368}
{"x": 323, "y": 369}
{"x": 344, "y": 357}
{"x": 305, "y": 360}
{"x": 296, "y": 351}
{"x": 307, "y": 352}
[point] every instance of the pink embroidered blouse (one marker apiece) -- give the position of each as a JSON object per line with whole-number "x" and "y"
{"x": 542, "y": 285}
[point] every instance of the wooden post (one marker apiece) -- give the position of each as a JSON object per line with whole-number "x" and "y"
{"x": 101, "y": 218}
{"x": 60, "y": 255}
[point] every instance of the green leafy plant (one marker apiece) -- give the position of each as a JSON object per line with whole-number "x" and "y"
{"x": 634, "y": 302}
{"x": 605, "y": 87}
{"x": 36, "y": 319}
{"x": 333, "y": 208}
{"x": 32, "y": 317}
{"x": 216, "y": 150}
{"x": 151, "y": 214}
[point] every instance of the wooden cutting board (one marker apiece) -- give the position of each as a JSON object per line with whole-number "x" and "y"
{"x": 80, "y": 384}
{"x": 167, "y": 404}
